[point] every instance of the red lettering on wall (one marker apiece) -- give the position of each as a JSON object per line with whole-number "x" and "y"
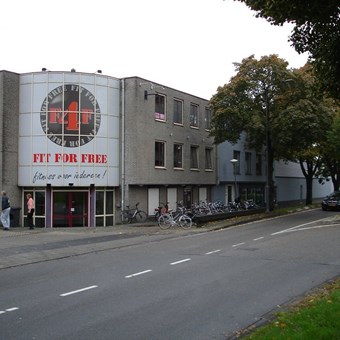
{"x": 41, "y": 157}
{"x": 93, "y": 158}
{"x": 70, "y": 116}
{"x": 65, "y": 158}
{"x": 86, "y": 116}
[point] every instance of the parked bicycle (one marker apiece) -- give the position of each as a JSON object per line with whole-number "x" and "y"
{"x": 162, "y": 209}
{"x": 172, "y": 219}
{"x": 133, "y": 215}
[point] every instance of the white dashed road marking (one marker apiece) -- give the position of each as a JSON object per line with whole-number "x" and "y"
{"x": 178, "y": 262}
{"x": 78, "y": 291}
{"x": 12, "y": 309}
{"x": 259, "y": 238}
{"x": 137, "y": 274}
{"x": 213, "y": 252}
{"x": 238, "y": 244}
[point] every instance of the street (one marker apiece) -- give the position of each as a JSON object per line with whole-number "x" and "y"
{"x": 197, "y": 286}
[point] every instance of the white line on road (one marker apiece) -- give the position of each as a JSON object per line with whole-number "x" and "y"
{"x": 140, "y": 273}
{"x": 259, "y": 238}
{"x": 78, "y": 291}
{"x": 296, "y": 227}
{"x": 238, "y": 244}
{"x": 181, "y": 261}
{"x": 12, "y": 309}
{"x": 213, "y": 252}
{"x": 314, "y": 227}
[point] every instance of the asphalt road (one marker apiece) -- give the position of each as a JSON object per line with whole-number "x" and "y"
{"x": 198, "y": 286}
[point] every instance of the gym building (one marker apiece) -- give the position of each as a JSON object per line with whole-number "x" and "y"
{"x": 85, "y": 145}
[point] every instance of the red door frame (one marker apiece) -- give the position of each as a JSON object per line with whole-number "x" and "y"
{"x": 70, "y": 216}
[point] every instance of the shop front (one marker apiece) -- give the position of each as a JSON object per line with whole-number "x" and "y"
{"x": 70, "y": 209}
{"x": 69, "y": 132}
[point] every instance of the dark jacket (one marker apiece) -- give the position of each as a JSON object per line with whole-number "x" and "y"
{"x": 5, "y": 202}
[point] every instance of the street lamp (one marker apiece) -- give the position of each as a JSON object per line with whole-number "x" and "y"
{"x": 267, "y": 187}
{"x": 234, "y": 162}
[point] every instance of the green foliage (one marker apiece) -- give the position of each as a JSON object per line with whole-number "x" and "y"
{"x": 297, "y": 11}
{"x": 333, "y": 139}
{"x": 316, "y": 31}
{"x": 305, "y": 125}
{"x": 331, "y": 151}
{"x": 278, "y": 109}
{"x": 316, "y": 317}
{"x": 241, "y": 104}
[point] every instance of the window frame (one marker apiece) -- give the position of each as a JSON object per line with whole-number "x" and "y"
{"x": 237, "y": 166}
{"x": 178, "y": 103}
{"x": 207, "y": 118}
{"x": 194, "y": 115}
{"x": 247, "y": 163}
{"x": 161, "y": 107}
{"x": 163, "y": 163}
{"x": 208, "y": 158}
{"x": 196, "y": 158}
{"x": 258, "y": 165}
{"x": 180, "y": 162}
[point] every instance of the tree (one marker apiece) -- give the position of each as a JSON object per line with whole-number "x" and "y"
{"x": 331, "y": 152}
{"x": 316, "y": 31}
{"x": 249, "y": 102}
{"x": 306, "y": 120}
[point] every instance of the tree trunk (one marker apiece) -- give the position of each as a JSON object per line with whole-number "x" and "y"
{"x": 271, "y": 180}
{"x": 309, "y": 190}
{"x": 309, "y": 173}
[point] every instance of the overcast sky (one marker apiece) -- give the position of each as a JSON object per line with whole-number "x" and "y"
{"x": 189, "y": 45}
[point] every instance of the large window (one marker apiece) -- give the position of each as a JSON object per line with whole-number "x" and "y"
{"x": 258, "y": 164}
{"x": 178, "y": 111}
{"x": 40, "y": 204}
{"x": 248, "y": 163}
{"x": 178, "y": 156}
{"x": 193, "y": 115}
{"x": 237, "y": 167}
{"x": 160, "y": 107}
{"x": 194, "y": 157}
{"x": 160, "y": 154}
{"x": 104, "y": 207}
{"x": 208, "y": 158}
{"x": 207, "y": 119}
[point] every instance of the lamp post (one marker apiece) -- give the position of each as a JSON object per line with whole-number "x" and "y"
{"x": 234, "y": 162}
{"x": 267, "y": 187}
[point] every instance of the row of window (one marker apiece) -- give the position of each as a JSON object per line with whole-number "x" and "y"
{"x": 247, "y": 163}
{"x": 161, "y": 114}
{"x": 178, "y": 154}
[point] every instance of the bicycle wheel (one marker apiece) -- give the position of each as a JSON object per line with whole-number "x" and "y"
{"x": 164, "y": 222}
{"x": 185, "y": 222}
{"x": 125, "y": 216}
{"x": 141, "y": 216}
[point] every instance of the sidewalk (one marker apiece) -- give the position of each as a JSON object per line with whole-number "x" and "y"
{"x": 21, "y": 246}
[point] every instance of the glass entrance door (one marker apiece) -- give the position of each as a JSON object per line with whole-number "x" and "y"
{"x": 70, "y": 209}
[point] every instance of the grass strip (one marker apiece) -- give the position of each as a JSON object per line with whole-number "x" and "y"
{"x": 316, "y": 317}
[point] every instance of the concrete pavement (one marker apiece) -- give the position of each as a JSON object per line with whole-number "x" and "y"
{"x": 21, "y": 246}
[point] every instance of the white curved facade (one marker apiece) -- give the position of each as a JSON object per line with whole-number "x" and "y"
{"x": 68, "y": 130}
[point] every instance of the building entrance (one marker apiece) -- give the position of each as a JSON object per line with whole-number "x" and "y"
{"x": 70, "y": 209}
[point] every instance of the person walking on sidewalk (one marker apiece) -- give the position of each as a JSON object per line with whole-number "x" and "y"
{"x": 5, "y": 213}
{"x": 30, "y": 211}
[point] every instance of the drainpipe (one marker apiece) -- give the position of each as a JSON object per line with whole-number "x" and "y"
{"x": 122, "y": 161}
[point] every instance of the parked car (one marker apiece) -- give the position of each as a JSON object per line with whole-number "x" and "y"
{"x": 331, "y": 202}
